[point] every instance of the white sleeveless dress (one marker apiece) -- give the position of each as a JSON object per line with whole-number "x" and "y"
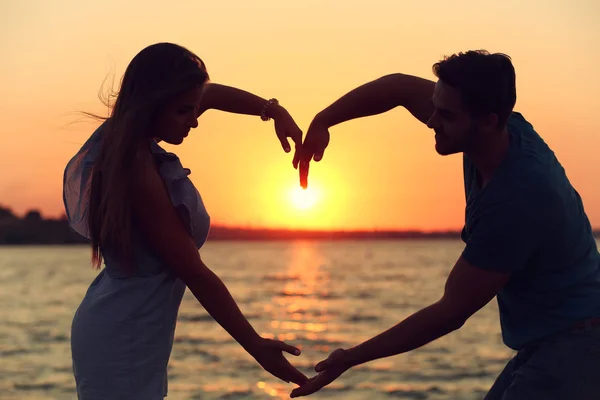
{"x": 122, "y": 332}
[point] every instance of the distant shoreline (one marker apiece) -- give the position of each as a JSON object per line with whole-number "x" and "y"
{"x": 221, "y": 233}
{"x": 33, "y": 229}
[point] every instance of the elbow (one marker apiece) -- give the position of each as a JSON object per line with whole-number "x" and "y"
{"x": 193, "y": 272}
{"x": 393, "y": 77}
{"x": 455, "y": 317}
{"x": 456, "y": 323}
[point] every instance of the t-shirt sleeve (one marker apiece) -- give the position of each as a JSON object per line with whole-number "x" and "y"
{"x": 505, "y": 234}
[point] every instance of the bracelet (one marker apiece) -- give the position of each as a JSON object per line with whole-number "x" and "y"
{"x": 269, "y": 103}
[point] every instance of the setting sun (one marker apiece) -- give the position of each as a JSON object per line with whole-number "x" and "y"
{"x": 303, "y": 199}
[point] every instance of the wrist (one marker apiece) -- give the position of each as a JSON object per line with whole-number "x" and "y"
{"x": 322, "y": 120}
{"x": 271, "y": 109}
{"x": 252, "y": 344}
{"x": 275, "y": 111}
{"x": 353, "y": 357}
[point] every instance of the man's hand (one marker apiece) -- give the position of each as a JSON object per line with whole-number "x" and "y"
{"x": 329, "y": 370}
{"x": 315, "y": 143}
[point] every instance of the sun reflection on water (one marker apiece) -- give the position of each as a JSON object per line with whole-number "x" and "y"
{"x": 299, "y": 311}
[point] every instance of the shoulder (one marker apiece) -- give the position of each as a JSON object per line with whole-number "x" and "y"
{"x": 140, "y": 163}
{"x": 531, "y": 171}
{"x": 526, "y": 191}
{"x": 517, "y": 122}
{"x": 527, "y": 142}
{"x": 143, "y": 174}
{"x": 516, "y": 118}
{"x": 523, "y": 190}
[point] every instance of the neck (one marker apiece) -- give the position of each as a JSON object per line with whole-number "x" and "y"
{"x": 144, "y": 144}
{"x": 487, "y": 156}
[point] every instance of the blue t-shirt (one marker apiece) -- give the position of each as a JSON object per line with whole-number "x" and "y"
{"x": 529, "y": 221}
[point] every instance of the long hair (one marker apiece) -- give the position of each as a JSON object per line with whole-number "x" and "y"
{"x": 154, "y": 76}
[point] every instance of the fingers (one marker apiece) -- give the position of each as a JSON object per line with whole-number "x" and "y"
{"x": 306, "y": 154}
{"x": 293, "y": 132}
{"x": 308, "y": 150}
{"x": 284, "y": 143}
{"x": 288, "y": 372}
{"x": 297, "y": 138}
{"x": 322, "y": 365}
{"x": 292, "y": 374}
{"x": 330, "y": 362}
{"x": 296, "y": 135}
{"x": 313, "y": 148}
{"x": 296, "y": 159}
{"x": 318, "y": 156}
{"x": 314, "y": 384}
{"x": 335, "y": 359}
{"x": 281, "y": 375}
{"x": 288, "y": 348}
{"x": 314, "y": 145}
{"x": 304, "y": 165}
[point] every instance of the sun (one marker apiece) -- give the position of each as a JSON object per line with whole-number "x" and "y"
{"x": 303, "y": 199}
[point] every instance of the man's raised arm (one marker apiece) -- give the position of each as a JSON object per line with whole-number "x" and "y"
{"x": 375, "y": 97}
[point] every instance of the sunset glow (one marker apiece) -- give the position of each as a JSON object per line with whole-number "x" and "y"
{"x": 303, "y": 199}
{"x": 380, "y": 172}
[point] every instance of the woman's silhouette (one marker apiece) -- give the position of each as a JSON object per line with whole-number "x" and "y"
{"x": 146, "y": 221}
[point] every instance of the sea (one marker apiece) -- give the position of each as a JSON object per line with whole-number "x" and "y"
{"x": 317, "y": 295}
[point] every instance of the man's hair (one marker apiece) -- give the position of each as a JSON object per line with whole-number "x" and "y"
{"x": 486, "y": 81}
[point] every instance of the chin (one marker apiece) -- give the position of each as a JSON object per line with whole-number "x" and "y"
{"x": 445, "y": 150}
{"x": 174, "y": 141}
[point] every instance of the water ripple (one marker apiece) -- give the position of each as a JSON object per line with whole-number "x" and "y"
{"x": 318, "y": 296}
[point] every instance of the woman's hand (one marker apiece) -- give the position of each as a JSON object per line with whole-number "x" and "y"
{"x": 238, "y": 101}
{"x": 285, "y": 127}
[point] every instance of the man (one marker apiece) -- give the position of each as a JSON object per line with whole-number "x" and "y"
{"x": 528, "y": 239}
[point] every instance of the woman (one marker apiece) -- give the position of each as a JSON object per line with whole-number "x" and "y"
{"x": 146, "y": 221}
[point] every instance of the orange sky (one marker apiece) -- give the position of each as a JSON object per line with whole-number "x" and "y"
{"x": 380, "y": 172}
